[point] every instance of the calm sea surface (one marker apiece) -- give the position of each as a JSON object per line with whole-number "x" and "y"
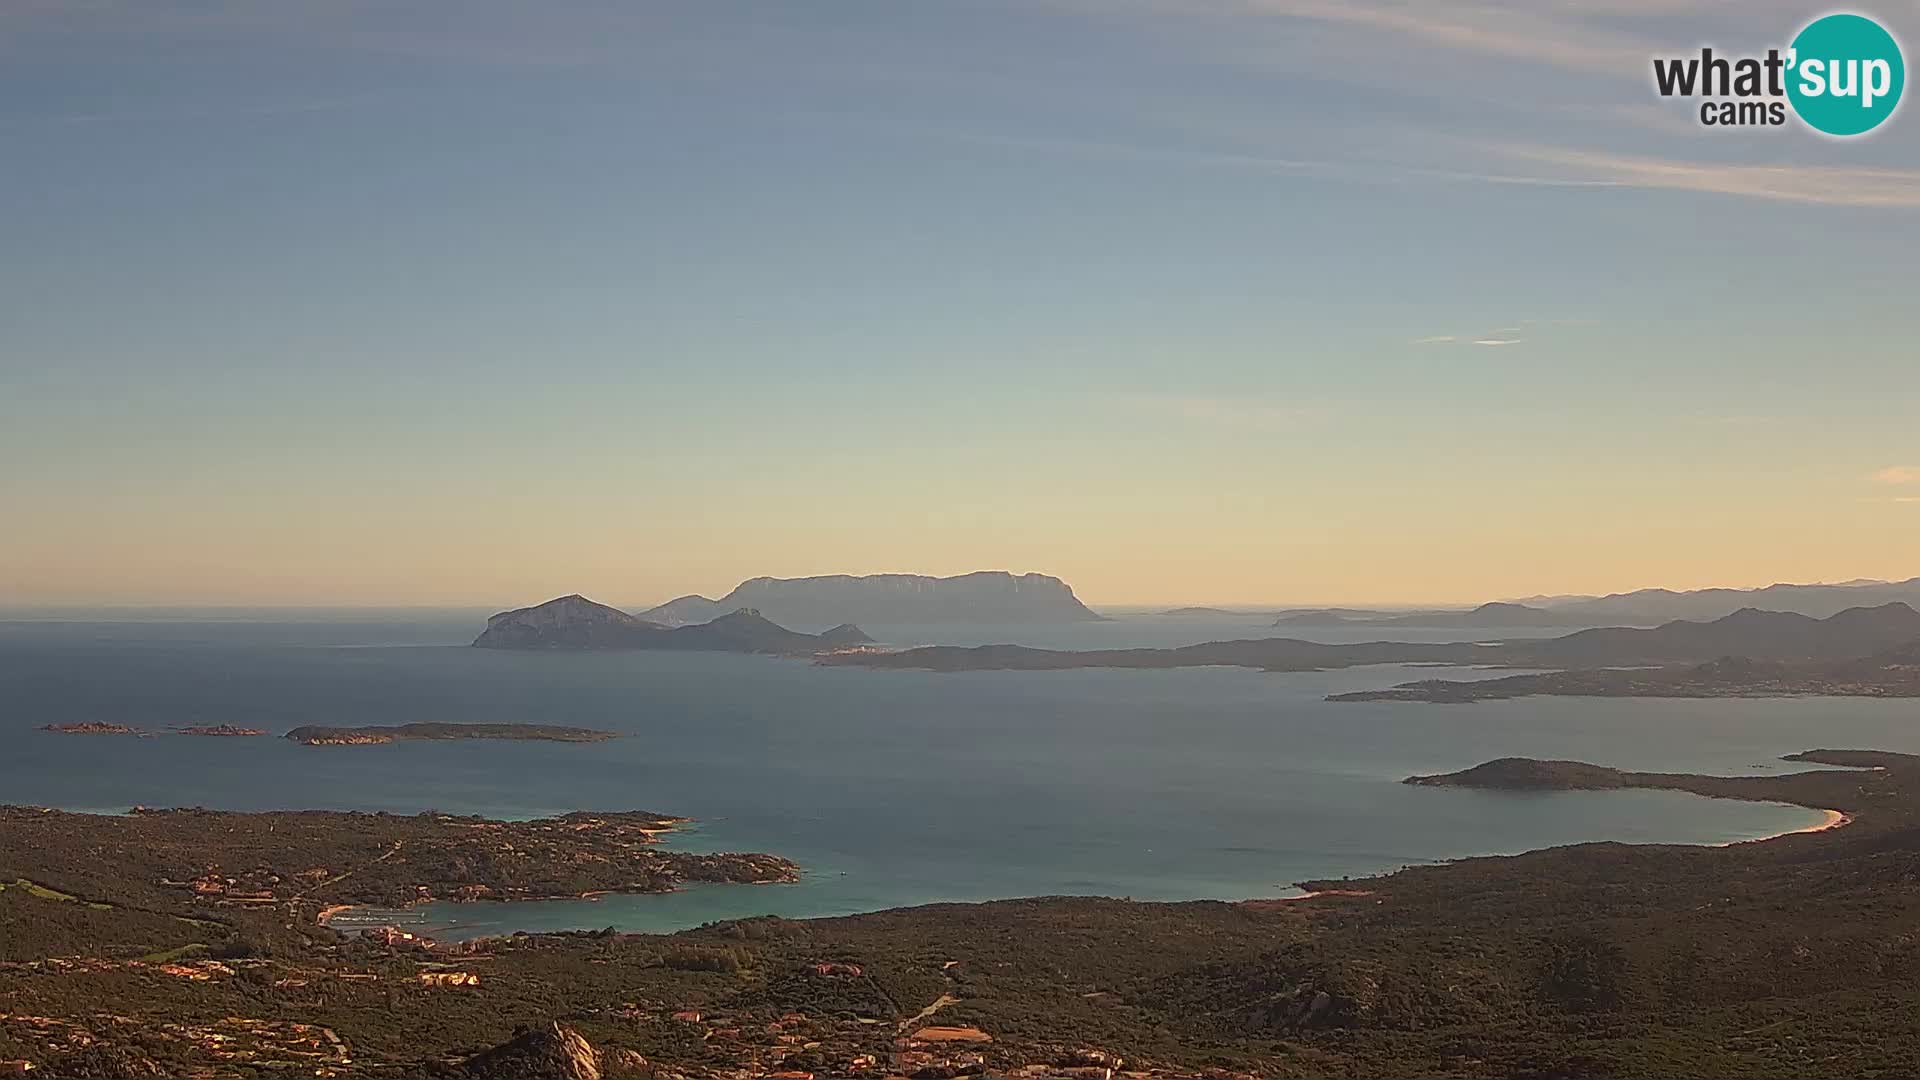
{"x": 890, "y": 788}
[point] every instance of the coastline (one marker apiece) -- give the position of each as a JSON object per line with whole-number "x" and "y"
{"x": 1833, "y": 819}
{"x": 1326, "y": 893}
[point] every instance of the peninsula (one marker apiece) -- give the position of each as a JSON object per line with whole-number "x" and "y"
{"x": 1894, "y": 673}
{"x": 1760, "y": 635}
{"x": 298, "y": 863}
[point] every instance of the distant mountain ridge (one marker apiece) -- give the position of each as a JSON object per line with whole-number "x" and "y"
{"x": 1893, "y": 673}
{"x": 987, "y": 596}
{"x": 1750, "y": 633}
{"x": 577, "y": 623}
{"x": 1819, "y": 601}
{"x": 1495, "y": 614}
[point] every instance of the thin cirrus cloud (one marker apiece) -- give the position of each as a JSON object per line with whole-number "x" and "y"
{"x": 1823, "y": 185}
{"x": 1606, "y": 44}
{"x": 1897, "y": 474}
{"x": 1503, "y": 336}
{"x": 1598, "y": 37}
{"x": 1536, "y": 33}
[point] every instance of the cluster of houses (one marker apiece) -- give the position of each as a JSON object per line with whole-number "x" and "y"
{"x": 274, "y": 1045}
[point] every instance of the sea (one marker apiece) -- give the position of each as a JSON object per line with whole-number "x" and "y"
{"x": 890, "y": 788}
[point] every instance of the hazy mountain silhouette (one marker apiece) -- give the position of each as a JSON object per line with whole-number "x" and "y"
{"x": 1496, "y": 614}
{"x": 989, "y": 596}
{"x": 1758, "y": 635}
{"x": 575, "y": 622}
{"x": 1819, "y": 601}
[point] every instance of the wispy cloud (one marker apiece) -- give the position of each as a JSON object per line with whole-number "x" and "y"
{"x": 1897, "y": 474}
{"x": 1535, "y": 33}
{"x": 1503, "y": 336}
{"x": 1823, "y": 185}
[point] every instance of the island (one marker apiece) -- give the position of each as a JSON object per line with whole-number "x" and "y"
{"x": 575, "y": 623}
{"x": 299, "y": 864}
{"x": 93, "y": 727}
{"x": 986, "y": 597}
{"x": 220, "y": 731}
{"x": 203, "y": 930}
{"x": 316, "y": 735}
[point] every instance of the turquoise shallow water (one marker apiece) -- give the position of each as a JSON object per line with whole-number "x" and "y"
{"x": 890, "y": 788}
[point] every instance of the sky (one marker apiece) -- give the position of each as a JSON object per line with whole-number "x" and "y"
{"x": 1256, "y": 301}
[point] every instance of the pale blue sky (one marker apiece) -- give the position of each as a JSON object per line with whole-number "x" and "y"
{"x": 480, "y": 302}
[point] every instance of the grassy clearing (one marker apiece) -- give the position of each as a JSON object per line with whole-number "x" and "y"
{"x": 36, "y": 889}
{"x": 168, "y": 956}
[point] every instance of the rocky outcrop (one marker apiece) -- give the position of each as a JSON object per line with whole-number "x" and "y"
{"x": 553, "y": 1051}
{"x": 92, "y": 727}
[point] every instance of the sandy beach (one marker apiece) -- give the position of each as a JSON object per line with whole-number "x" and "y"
{"x": 1834, "y": 819}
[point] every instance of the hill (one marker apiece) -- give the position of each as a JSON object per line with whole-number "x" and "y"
{"x": 1749, "y": 632}
{"x": 993, "y": 596}
{"x": 576, "y": 623}
{"x": 1528, "y": 774}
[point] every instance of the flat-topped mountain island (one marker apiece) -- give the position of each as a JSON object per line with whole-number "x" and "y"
{"x": 986, "y": 597}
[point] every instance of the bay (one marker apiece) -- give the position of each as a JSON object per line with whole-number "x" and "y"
{"x": 890, "y": 788}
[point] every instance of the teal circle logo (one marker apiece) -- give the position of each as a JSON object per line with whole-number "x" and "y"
{"x": 1845, "y": 74}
